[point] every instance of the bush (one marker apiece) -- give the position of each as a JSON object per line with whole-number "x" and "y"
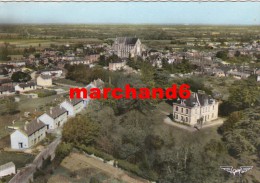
{"x": 96, "y": 152}
{"x": 130, "y": 167}
{"x": 63, "y": 150}
{"x": 46, "y": 93}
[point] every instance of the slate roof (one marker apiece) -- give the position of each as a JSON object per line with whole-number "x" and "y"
{"x": 56, "y": 112}
{"x": 29, "y": 84}
{"x": 44, "y": 76}
{"x": 33, "y": 126}
{"x": 200, "y": 97}
{"x": 7, "y": 88}
{"x": 75, "y": 101}
{"x": 5, "y": 80}
{"x": 126, "y": 40}
{"x": 7, "y": 165}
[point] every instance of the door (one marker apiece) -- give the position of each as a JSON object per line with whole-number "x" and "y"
{"x": 20, "y": 145}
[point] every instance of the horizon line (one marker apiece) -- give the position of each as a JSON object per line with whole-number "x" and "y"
{"x": 146, "y": 24}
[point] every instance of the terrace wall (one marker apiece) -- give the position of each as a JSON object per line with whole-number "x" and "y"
{"x": 25, "y": 175}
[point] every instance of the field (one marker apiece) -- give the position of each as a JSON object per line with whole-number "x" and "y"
{"x": 80, "y": 168}
{"x": 19, "y": 159}
{"x": 153, "y": 36}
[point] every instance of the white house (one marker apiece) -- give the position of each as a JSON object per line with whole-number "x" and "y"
{"x": 31, "y": 134}
{"x": 54, "y": 118}
{"x": 24, "y": 87}
{"x": 97, "y": 83}
{"x": 44, "y": 80}
{"x": 7, "y": 169}
{"x": 73, "y": 106}
{"x": 52, "y": 72}
{"x": 199, "y": 106}
{"x": 116, "y": 66}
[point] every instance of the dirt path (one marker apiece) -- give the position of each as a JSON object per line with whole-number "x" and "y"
{"x": 216, "y": 122}
{"x": 77, "y": 161}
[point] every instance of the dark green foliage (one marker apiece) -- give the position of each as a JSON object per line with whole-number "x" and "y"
{"x": 46, "y": 93}
{"x": 243, "y": 94}
{"x": 241, "y": 132}
{"x": 21, "y": 77}
{"x": 80, "y": 130}
{"x": 222, "y": 55}
{"x": 63, "y": 150}
{"x": 94, "y": 180}
{"x": 9, "y": 106}
{"x": 197, "y": 84}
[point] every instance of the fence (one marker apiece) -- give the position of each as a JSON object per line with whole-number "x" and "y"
{"x": 25, "y": 175}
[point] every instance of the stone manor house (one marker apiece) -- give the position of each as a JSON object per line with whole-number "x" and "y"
{"x": 199, "y": 108}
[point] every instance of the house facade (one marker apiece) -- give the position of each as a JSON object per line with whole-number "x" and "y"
{"x": 44, "y": 80}
{"x": 199, "y": 107}
{"x": 73, "y": 106}
{"x": 31, "y": 134}
{"x": 24, "y": 87}
{"x": 116, "y": 66}
{"x": 7, "y": 90}
{"x": 127, "y": 46}
{"x": 54, "y": 118}
{"x": 52, "y": 72}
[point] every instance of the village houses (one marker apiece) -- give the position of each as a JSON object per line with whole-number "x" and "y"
{"x": 116, "y": 66}
{"x": 199, "y": 106}
{"x": 54, "y": 118}
{"x": 30, "y": 135}
{"x": 73, "y": 106}
{"x": 44, "y": 80}
{"x": 24, "y": 87}
{"x": 7, "y": 90}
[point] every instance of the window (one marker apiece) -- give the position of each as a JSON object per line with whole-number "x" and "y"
{"x": 186, "y": 119}
{"x": 181, "y": 110}
{"x": 176, "y": 116}
{"x": 176, "y": 108}
{"x": 182, "y": 119}
{"x": 187, "y": 111}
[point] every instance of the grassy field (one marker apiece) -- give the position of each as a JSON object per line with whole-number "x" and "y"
{"x": 19, "y": 159}
{"x": 154, "y": 36}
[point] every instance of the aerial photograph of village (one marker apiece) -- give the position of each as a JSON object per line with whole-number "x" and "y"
{"x": 212, "y": 136}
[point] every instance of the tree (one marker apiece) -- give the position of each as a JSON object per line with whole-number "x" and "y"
{"x": 20, "y": 77}
{"x": 80, "y": 130}
{"x": 222, "y": 55}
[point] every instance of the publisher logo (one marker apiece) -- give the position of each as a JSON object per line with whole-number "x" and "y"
{"x": 239, "y": 171}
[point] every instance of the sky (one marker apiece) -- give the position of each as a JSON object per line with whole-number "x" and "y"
{"x": 213, "y": 13}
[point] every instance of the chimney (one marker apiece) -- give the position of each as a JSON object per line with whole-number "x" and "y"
{"x": 25, "y": 127}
